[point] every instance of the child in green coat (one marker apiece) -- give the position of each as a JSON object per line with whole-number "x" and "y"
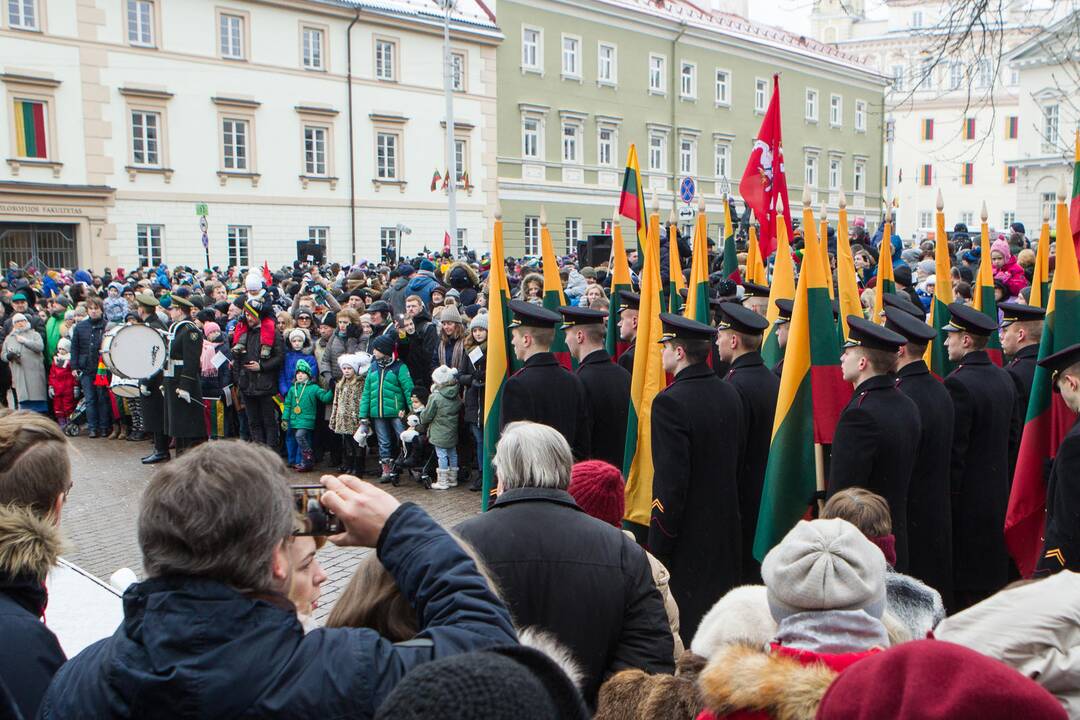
{"x": 299, "y": 410}
{"x": 440, "y": 417}
{"x": 385, "y": 401}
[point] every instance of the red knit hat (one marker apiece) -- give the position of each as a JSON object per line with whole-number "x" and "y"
{"x": 597, "y": 487}
{"x": 931, "y": 679}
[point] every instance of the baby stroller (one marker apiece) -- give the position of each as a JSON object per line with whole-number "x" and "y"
{"x": 417, "y": 458}
{"x": 76, "y": 420}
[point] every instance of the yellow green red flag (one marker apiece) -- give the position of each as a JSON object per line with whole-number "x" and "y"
{"x": 782, "y": 288}
{"x": 498, "y": 355}
{"x": 697, "y": 296}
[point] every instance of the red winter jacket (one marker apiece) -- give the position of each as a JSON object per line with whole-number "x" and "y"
{"x": 1013, "y": 276}
{"x": 62, "y": 384}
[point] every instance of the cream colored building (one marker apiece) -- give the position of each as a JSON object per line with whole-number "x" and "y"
{"x": 147, "y": 108}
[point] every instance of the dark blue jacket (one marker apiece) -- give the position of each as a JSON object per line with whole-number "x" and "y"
{"x": 195, "y": 648}
{"x": 31, "y": 653}
{"x": 421, "y": 284}
{"x": 86, "y": 339}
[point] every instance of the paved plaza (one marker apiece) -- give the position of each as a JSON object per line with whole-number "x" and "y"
{"x": 101, "y": 515}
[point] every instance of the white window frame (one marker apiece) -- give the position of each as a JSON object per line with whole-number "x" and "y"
{"x": 319, "y": 234}
{"x": 898, "y": 74}
{"x": 609, "y": 147}
{"x": 313, "y": 47}
{"x": 688, "y": 155}
{"x": 860, "y": 116}
{"x": 236, "y": 144}
{"x": 657, "y": 152}
{"x": 721, "y": 159}
{"x": 238, "y": 241}
{"x": 761, "y": 95}
{"x": 1008, "y": 217}
{"x": 27, "y": 15}
{"x": 968, "y": 218}
{"x": 985, "y": 73}
{"x": 386, "y": 236}
{"x": 572, "y": 228}
{"x": 314, "y": 137}
{"x": 1014, "y": 76}
{"x": 140, "y": 22}
{"x": 722, "y": 82}
{"x": 836, "y": 172}
{"x": 956, "y": 75}
{"x": 148, "y": 248}
{"x": 687, "y": 80}
{"x": 606, "y": 226}
{"x": 1051, "y": 113}
{"x": 458, "y": 70}
{"x": 859, "y": 177}
{"x": 570, "y": 56}
{"x": 611, "y": 77}
{"x": 1047, "y": 204}
{"x": 926, "y": 219}
{"x": 387, "y": 155}
{"x": 538, "y": 137}
{"x": 836, "y": 110}
{"x": 570, "y": 142}
{"x": 916, "y": 19}
{"x": 148, "y": 135}
{"x": 657, "y": 75}
{"x": 231, "y": 36}
{"x": 535, "y": 49}
{"x": 810, "y": 170}
{"x": 810, "y": 111}
{"x": 461, "y": 159}
{"x": 532, "y": 235}
{"x": 385, "y": 55}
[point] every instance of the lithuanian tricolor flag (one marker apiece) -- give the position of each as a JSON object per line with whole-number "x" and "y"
{"x": 697, "y": 296}
{"x": 812, "y": 395}
{"x": 937, "y": 357}
{"x": 1048, "y": 418}
{"x": 30, "y": 129}
{"x": 731, "y": 257}
{"x": 620, "y": 280}
{"x": 755, "y": 264}
{"x": 553, "y": 291}
{"x": 1040, "y": 281}
{"x": 1074, "y": 203}
{"x": 648, "y": 379}
{"x": 632, "y": 201}
{"x": 676, "y": 282}
{"x": 846, "y": 282}
{"x": 886, "y": 281}
{"x": 498, "y": 354}
{"x": 984, "y": 291}
{"x": 782, "y": 288}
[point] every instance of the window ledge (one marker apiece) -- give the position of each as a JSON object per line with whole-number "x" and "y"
{"x": 306, "y": 179}
{"x": 811, "y": 121}
{"x": 688, "y": 98}
{"x": 314, "y": 69}
{"x": 527, "y": 69}
{"x": 386, "y": 80}
{"x": 572, "y": 78}
{"x": 400, "y": 184}
{"x": 142, "y": 46}
{"x": 134, "y": 170}
{"x": 836, "y": 126}
{"x": 224, "y": 175}
{"x": 607, "y": 84}
{"x": 720, "y": 104}
{"x": 17, "y": 163}
{"x": 661, "y": 93}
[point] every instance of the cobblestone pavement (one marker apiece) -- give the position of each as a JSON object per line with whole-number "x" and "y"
{"x": 100, "y": 517}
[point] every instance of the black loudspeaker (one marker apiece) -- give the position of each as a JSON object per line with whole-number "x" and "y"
{"x": 597, "y": 250}
{"x": 310, "y": 252}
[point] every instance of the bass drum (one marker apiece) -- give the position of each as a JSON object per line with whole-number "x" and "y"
{"x": 135, "y": 352}
{"x": 124, "y": 387}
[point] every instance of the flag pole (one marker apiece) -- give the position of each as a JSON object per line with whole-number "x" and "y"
{"x": 819, "y": 449}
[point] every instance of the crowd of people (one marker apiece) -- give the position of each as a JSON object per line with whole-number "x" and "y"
{"x": 555, "y": 603}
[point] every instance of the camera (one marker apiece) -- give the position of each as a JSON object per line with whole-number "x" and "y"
{"x": 318, "y": 519}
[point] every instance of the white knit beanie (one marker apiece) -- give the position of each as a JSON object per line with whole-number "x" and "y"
{"x": 298, "y": 332}
{"x": 480, "y": 321}
{"x": 824, "y": 565}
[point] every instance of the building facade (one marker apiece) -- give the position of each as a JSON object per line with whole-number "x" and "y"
{"x": 578, "y": 82}
{"x": 122, "y": 116}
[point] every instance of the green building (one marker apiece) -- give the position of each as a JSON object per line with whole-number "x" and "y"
{"x": 580, "y": 80}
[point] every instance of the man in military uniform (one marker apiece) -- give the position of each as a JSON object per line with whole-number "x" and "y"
{"x": 153, "y": 402}
{"x": 629, "y": 302}
{"x": 698, "y": 438}
{"x": 984, "y": 398}
{"x": 1020, "y": 333}
{"x": 185, "y": 416}
{"x": 929, "y": 507}
{"x": 756, "y": 297}
{"x": 783, "y": 324}
{"x": 607, "y": 385}
{"x": 878, "y": 432}
{"x": 1061, "y": 544}
{"x": 738, "y": 340}
{"x": 543, "y": 391}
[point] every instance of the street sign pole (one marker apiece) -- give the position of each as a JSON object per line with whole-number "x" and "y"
{"x": 202, "y": 211}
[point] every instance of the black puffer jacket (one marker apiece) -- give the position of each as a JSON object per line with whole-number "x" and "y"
{"x": 86, "y": 339}
{"x": 264, "y": 381}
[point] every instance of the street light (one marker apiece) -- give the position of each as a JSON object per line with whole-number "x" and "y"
{"x": 447, "y": 6}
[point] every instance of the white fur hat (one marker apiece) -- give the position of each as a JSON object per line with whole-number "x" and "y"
{"x": 254, "y": 281}
{"x": 443, "y": 374}
{"x": 18, "y": 318}
{"x": 298, "y": 332}
{"x": 64, "y": 345}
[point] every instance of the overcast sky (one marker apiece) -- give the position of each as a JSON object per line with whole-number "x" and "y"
{"x": 794, "y": 15}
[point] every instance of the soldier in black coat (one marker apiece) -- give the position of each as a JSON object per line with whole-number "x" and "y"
{"x": 1021, "y": 331}
{"x": 607, "y": 385}
{"x": 738, "y": 340}
{"x": 783, "y": 321}
{"x": 185, "y": 416}
{"x": 1061, "y": 542}
{"x": 929, "y": 508}
{"x": 878, "y": 433}
{"x": 153, "y": 402}
{"x": 698, "y": 438}
{"x": 984, "y": 399}
{"x": 544, "y": 391}
{"x": 628, "y": 319}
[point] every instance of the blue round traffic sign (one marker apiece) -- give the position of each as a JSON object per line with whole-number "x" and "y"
{"x": 687, "y": 189}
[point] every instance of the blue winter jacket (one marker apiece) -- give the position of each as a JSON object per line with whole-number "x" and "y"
{"x": 288, "y": 370}
{"x": 195, "y": 648}
{"x": 422, "y": 283}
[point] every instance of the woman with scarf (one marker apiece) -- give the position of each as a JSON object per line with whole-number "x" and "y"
{"x": 23, "y": 350}
{"x": 451, "y": 345}
{"x": 471, "y": 374}
{"x": 217, "y": 382}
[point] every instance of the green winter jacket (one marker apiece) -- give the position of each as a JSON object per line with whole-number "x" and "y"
{"x": 440, "y": 415}
{"x": 386, "y": 391}
{"x": 305, "y": 396}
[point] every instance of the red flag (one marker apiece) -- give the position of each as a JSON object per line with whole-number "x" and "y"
{"x": 267, "y": 275}
{"x": 446, "y": 242}
{"x": 764, "y": 180}
{"x": 435, "y": 180}
{"x": 446, "y": 179}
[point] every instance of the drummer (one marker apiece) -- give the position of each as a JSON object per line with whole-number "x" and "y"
{"x": 153, "y": 404}
{"x": 185, "y": 419}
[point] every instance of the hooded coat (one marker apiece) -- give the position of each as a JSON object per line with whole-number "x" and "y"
{"x": 441, "y": 415}
{"x": 23, "y": 351}
{"x": 29, "y": 548}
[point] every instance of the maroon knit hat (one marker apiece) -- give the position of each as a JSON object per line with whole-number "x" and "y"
{"x": 931, "y": 679}
{"x": 597, "y": 487}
